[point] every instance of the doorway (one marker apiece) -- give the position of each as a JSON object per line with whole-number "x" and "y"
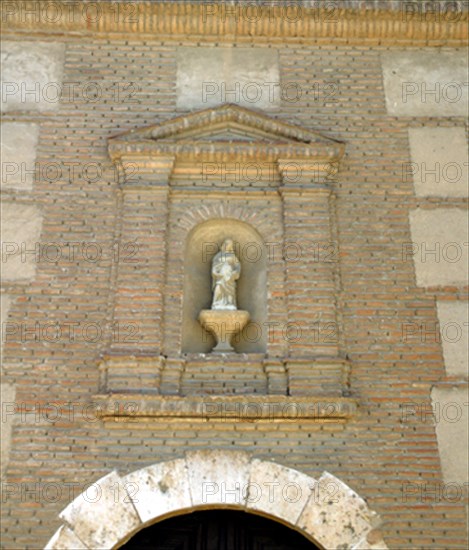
{"x": 218, "y": 530}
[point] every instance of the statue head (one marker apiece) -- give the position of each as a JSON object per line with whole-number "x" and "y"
{"x": 227, "y": 246}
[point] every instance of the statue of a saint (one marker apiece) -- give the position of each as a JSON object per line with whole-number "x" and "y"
{"x": 226, "y": 269}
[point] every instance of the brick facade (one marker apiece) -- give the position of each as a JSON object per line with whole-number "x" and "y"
{"x": 379, "y": 320}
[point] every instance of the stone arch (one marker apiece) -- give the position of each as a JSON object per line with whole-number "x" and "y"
{"x": 202, "y": 243}
{"x": 325, "y": 510}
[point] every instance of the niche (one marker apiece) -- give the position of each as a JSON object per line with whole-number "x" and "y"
{"x": 202, "y": 243}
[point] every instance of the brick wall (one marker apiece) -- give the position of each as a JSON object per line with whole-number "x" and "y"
{"x": 381, "y": 451}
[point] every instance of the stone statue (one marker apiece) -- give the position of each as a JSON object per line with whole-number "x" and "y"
{"x": 224, "y": 320}
{"x": 226, "y": 269}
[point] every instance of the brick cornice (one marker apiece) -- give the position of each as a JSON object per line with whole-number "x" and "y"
{"x": 211, "y": 21}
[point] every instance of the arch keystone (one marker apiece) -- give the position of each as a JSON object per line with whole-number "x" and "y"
{"x": 218, "y": 477}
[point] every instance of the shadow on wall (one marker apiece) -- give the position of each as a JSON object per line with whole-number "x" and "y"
{"x": 203, "y": 242}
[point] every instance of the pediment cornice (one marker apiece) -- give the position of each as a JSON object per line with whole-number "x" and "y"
{"x": 224, "y": 133}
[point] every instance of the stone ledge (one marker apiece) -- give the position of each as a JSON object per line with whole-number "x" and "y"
{"x": 260, "y": 408}
{"x": 322, "y": 377}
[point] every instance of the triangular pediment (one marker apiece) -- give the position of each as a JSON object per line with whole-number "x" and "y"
{"x": 225, "y": 134}
{"x": 227, "y": 123}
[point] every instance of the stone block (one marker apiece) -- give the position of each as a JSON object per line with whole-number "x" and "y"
{"x": 426, "y": 83}
{"x": 451, "y": 405}
{"x": 21, "y": 228}
{"x": 343, "y": 516}
{"x": 440, "y": 162}
{"x": 159, "y": 489}
{"x": 64, "y": 539}
{"x": 18, "y": 153}
{"x": 453, "y": 318}
{"x": 440, "y": 246}
{"x": 217, "y": 477}
{"x": 103, "y": 515}
{"x": 278, "y": 490}
{"x": 31, "y": 75}
{"x": 207, "y": 77}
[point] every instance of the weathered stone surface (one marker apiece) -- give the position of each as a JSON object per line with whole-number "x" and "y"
{"x": 159, "y": 489}
{"x": 18, "y": 153}
{"x": 376, "y": 544}
{"x": 426, "y": 83}
{"x": 5, "y": 303}
{"x": 211, "y": 76}
{"x": 93, "y": 513}
{"x": 31, "y": 75}
{"x": 218, "y": 477}
{"x": 7, "y": 399}
{"x": 451, "y": 407}
{"x": 439, "y": 159}
{"x": 65, "y": 539}
{"x": 278, "y": 491}
{"x": 440, "y": 238}
{"x": 224, "y": 325}
{"x": 335, "y": 515}
{"x": 21, "y": 228}
{"x": 453, "y": 318}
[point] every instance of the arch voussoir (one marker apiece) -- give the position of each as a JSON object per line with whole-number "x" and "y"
{"x": 336, "y": 515}
{"x": 277, "y": 490}
{"x": 65, "y": 538}
{"x": 102, "y": 515}
{"x": 160, "y": 489}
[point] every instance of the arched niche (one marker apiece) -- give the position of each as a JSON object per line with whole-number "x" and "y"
{"x": 202, "y": 243}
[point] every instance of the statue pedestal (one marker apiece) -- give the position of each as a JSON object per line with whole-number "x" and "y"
{"x": 223, "y": 324}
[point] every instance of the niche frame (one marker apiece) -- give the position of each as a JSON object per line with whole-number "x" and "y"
{"x": 161, "y": 171}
